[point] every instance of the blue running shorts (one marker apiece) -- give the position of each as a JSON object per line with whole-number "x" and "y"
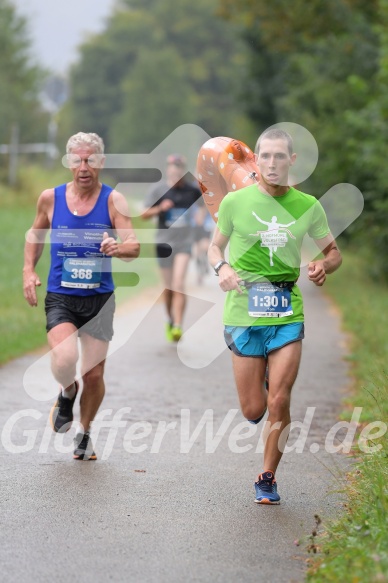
{"x": 259, "y": 341}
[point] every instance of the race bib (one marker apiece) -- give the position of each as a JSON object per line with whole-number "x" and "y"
{"x": 84, "y": 273}
{"x": 266, "y": 300}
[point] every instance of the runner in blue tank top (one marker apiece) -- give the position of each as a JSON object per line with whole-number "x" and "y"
{"x": 85, "y": 217}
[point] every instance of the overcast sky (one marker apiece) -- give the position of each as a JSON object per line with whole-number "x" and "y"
{"x": 58, "y": 27}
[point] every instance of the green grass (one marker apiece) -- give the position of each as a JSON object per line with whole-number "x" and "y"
{"x": 23, "y": 327}
{"x": 354, "y": 548}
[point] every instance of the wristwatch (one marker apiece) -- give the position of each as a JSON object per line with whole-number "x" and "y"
{"x": 218, "y": 265}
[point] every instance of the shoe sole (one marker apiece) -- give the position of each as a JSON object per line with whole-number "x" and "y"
{"x": 52, "y": 422}
{"x": 267, "y": 501}
{"x": 51, "y": 417}
{"x": 82, "y": 457}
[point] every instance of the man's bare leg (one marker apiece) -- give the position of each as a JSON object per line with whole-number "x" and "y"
{"x": 94, "y": 352}
{"x": 283, "y": 370}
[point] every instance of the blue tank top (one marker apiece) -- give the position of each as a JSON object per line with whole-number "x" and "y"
{"x": 77, "y": 266}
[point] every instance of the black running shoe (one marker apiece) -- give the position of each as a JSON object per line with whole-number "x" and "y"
{"x": 61, "y": 414}
{"x": 83, "y": 447}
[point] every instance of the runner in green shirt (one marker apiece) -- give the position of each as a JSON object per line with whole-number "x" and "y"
{"x": 265, "y": 225}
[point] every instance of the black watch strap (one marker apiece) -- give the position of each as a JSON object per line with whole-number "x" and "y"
{"x": 218, "y": 265}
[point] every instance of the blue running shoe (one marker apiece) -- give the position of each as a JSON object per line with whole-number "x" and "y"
{"x": 266, "y": 489}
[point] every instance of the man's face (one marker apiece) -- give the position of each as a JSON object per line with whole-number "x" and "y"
{"x": 85, "y": 166}
{"x": 274, "y": 161}
{"x": 174, "y": 174}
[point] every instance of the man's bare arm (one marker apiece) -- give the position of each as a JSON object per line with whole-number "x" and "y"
{"x": 318, "y": 269}
{"x": 34, "y": 246}
{"x": 228, "y": 277}
{"x": 129, "y": 246}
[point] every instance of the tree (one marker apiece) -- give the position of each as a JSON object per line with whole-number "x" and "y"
{"x": 157, "y": 65}
{"x": 156, "y": 99}
{"x": 330, "y": 75}
{"x": 19, "y": 80}
{"x": 301, "y": 57}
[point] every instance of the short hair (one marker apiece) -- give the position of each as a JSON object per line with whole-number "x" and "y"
{"x": 275, "y": 134}
{"x": 83, "y": 139}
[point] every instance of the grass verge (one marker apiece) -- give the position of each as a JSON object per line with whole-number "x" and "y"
{"x": 354, "y": 548}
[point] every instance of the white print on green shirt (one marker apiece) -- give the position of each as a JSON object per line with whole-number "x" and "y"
{"x": 274, "y": 237}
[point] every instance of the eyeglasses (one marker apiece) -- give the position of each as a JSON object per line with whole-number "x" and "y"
{"x": 93, "y": 161}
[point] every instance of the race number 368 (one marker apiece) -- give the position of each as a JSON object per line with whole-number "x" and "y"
{"x": 82, "y": 273}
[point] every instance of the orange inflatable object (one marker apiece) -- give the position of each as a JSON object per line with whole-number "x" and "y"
{"x": 224, "y": 165}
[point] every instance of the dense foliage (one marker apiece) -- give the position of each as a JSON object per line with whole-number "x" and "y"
{"x": 324, "y": 65}
{"x": 19, "y": 81}
{"x": 232, "y": 69}
{"x": 158, "y": 64}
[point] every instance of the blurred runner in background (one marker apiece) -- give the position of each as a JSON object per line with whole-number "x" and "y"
{"x": 172, "y": 202}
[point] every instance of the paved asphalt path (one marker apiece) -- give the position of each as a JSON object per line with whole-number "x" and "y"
{"x": 157, "y": 507}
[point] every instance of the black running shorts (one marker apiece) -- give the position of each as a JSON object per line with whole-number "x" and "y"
{"x": 166, "y": 253}
{"x": 92, "y": 315}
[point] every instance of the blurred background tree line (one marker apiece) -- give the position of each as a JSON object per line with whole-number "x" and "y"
{"x": 233, "y": 69}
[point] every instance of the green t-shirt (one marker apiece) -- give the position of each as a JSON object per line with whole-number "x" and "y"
{"x": 266, "y": 235}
